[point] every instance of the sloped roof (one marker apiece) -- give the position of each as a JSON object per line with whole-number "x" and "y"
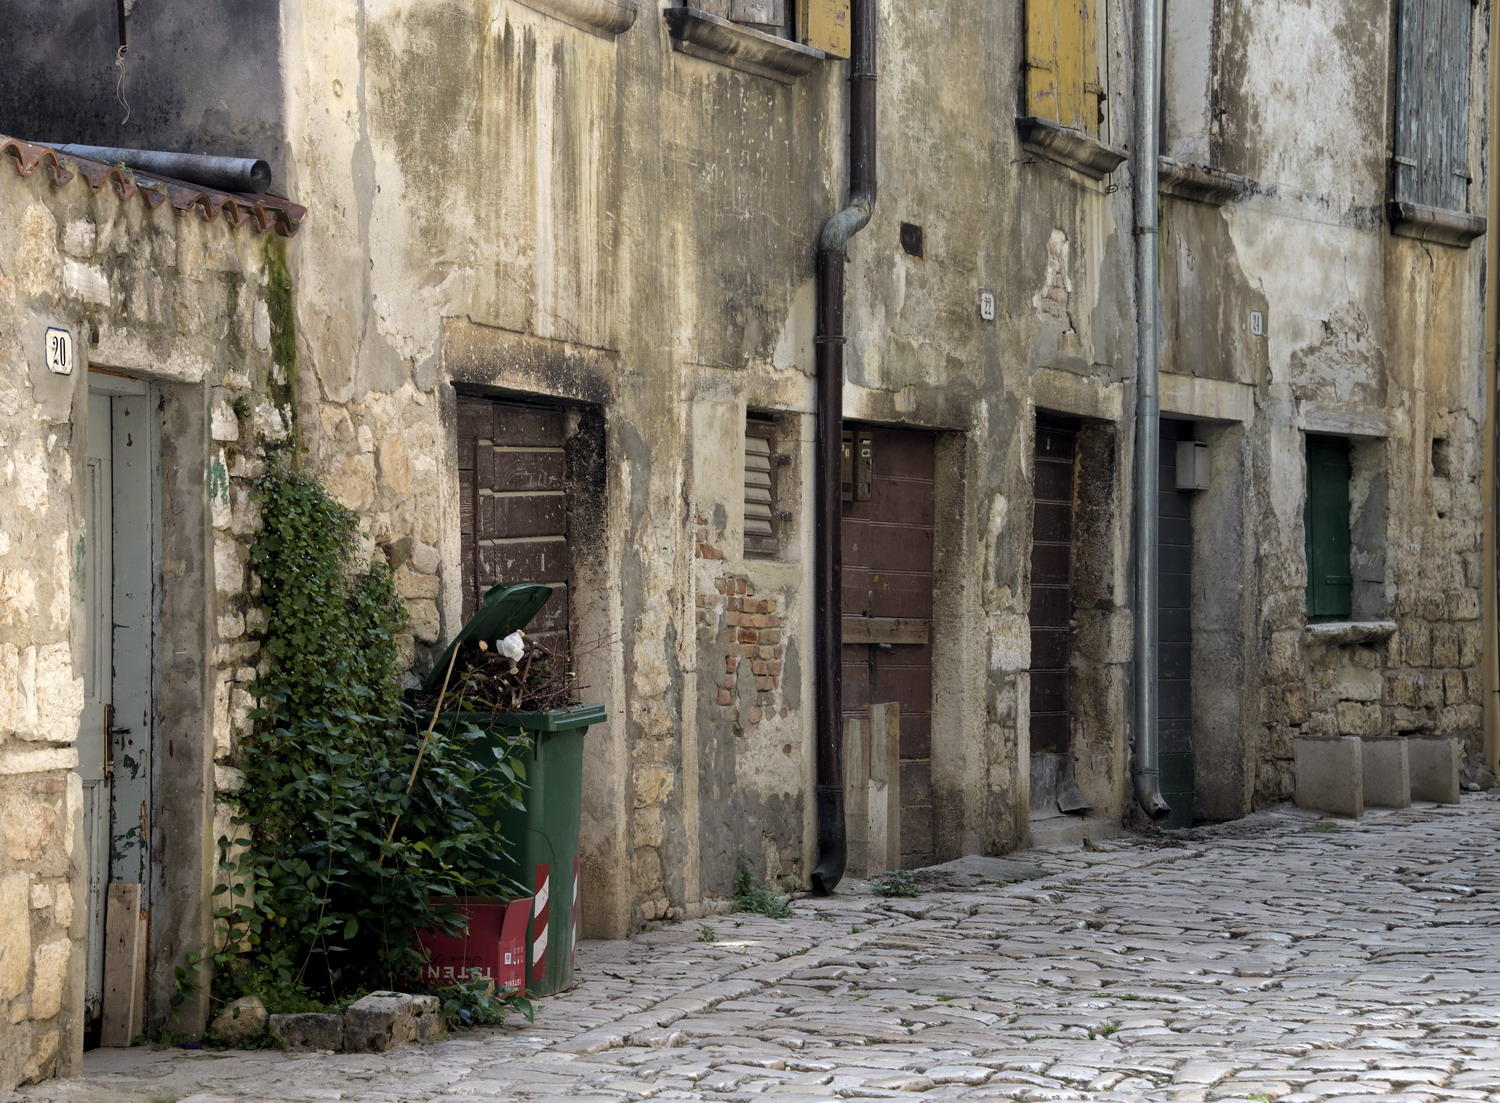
{"x": 264, "y": 213}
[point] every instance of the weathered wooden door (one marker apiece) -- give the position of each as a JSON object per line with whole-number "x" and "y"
{"x": 1053, "y": 498}
{"x": 1174, "y": 603}
{"x": 888, "y": 586}
{"x": 114, "y": 738}
{"x": 94, "y": 725}
{"x": 513, "y": 509}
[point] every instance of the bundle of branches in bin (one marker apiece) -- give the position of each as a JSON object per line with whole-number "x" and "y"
{"x": 519, "y": 674}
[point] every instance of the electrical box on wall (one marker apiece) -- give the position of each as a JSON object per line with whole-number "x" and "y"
{"x": 1192, "y": 465}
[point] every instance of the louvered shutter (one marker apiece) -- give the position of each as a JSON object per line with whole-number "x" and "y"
{"x": 1432, "y": 103}
{"x": 1062, "y": 63}
{"x": 1330, "y": 581}
{"x": 760, "y": 491}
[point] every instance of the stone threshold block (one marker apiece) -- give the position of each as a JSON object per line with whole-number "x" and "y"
{"x": 1387, "y": 775}
{"x": 1435, "y": 767}
{"x": 1329, "y": 774}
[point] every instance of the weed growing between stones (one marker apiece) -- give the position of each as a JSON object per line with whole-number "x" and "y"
{"x": 895, "y": 882}
{"x": 751, "y": 895}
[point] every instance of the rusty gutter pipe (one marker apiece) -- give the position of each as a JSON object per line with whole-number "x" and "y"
{"x": 1146, "y": 169}
{"x": 231, "y": 174}
{"x": 833, "y": 242}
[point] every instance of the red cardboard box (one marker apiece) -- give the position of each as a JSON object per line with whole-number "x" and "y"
{"x": 494, "y": 945}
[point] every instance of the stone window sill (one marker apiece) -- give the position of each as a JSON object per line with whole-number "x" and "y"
{"x": 1349, "y": 631}
{"x": 602, "y": 17}
{"x": 1070, "y": 147}
{"x": 1201, "y": 183}
{"x": 705, "y": 36}
{"x": 1432, "y": 224}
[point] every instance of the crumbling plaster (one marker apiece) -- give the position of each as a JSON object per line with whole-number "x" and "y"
{"x": 535, "y": 198}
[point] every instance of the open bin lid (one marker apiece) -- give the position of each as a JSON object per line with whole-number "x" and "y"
{"x": 503, "y": 610}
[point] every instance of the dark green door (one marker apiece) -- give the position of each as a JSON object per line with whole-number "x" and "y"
{"x": 1330, "y": 580}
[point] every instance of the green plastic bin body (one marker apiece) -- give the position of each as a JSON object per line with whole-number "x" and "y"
{"x": 539, "y": 842}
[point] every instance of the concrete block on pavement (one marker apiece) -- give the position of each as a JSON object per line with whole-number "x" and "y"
{"x": 1329, "y": 774}
{"x": 1435, "y": 767}
{"x": 1387, "y": 773}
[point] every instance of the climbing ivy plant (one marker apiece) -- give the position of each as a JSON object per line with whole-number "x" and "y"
{"x": 355, "y": 812}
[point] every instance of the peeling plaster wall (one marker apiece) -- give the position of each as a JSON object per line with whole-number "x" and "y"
{"x": 504, "y": 201}
{"x": 511, "y": 202}
{"x": 180, "y": 302}
{"x": 1368, "y": 335}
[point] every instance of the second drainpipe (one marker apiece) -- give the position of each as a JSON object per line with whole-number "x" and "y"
{"x": 1145, "y": 169}
{"x": 828, "y": 869}
{"x": 1491, "y": 558}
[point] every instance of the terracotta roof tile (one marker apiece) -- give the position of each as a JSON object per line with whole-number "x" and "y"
{"x": 263, "y": 212}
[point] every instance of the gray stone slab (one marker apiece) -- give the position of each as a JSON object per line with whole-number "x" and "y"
{"x": 1329, "y": 774}
{"x": 1434, "y": 762}
{"x": 1387, "y": 776}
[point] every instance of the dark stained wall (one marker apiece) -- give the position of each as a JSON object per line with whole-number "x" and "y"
{"x": 202, "y": 78}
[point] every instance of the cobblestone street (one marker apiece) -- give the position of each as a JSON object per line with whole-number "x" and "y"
{"x": 1281, "y": 958}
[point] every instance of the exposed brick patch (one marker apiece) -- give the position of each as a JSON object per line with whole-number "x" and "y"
{"x": 748, "y": 628}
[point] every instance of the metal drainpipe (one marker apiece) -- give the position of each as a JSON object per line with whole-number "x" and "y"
{"x": 1491, "y": 670}
{"x": 1148, "y": 404}
{"x": 232, "y": 174}
{"x": 829, "y": 344}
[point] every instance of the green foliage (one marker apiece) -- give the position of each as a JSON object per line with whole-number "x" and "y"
{"x": 895, "y": 882}
{"x": 751, "y": 895}
{"x": 706, "y": 933}
{"x": 479, "y": 1003}
{"x": 281, "y": 309}
{"x": 351, "y": 818}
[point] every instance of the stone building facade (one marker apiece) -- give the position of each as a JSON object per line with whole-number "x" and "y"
{"x": 167, "y": 285}
{"x": 607, "y": 211}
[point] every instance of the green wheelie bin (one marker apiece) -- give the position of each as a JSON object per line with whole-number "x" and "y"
{"x": 537, "y": 844}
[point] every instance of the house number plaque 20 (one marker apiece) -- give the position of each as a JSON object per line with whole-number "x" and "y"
{"x": 59, "y": 351}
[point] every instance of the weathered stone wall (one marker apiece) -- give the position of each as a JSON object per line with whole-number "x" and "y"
{"x": 506, "y": 200}
{"x": 180, "y": 301}
{"x": 1367, "y": 335}
{"x": 605, "y": 220}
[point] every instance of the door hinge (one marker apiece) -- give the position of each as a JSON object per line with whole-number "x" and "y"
{"x": 109, "y": 741}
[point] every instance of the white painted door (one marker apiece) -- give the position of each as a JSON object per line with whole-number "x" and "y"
{"x": 114, "y": 741}
{"x": 93, "y": 734}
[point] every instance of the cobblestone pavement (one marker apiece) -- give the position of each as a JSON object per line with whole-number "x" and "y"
{"x": 1285, "y": 958}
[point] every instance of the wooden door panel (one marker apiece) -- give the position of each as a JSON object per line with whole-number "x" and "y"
{"x": 1052, "y": 599}
{"x": 887, "y": 593}
{"x": 514, "y": 508}
{"x": 895, "y": 502}
{"x": 888, "y": 572}
{"x": 883, "y": 547}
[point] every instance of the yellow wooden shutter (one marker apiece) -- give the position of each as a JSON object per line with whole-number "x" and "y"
{"x": 1091, "y": 90}
{"x": 824, "y": 25}
{"x": 1062, "y": 64}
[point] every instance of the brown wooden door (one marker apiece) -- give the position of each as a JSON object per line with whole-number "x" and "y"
{"x": 1052, "y": 586}
{"x": 513, "y": 510}
{"x": 887, "y": 545}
